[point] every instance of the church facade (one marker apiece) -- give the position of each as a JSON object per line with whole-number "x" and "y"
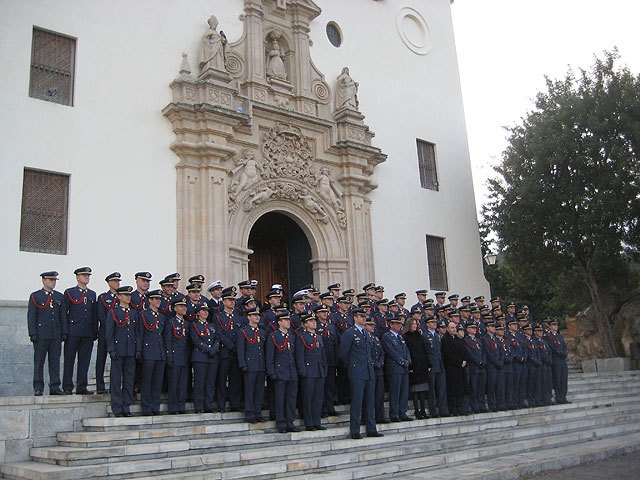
{"x": 235, "y": 139}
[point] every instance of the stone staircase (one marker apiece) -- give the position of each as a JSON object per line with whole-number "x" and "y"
{"x": 602, "y": 420}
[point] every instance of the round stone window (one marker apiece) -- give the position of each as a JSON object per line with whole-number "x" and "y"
{"x": 334, "y": 34}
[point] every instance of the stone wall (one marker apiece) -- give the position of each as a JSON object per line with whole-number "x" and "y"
{"x": 16, "y": 351}
{"x": 34, "y": 421}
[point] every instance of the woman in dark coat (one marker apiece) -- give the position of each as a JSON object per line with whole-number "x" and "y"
{"x": 454, "y": 355}
{"x": 418, "y": 372}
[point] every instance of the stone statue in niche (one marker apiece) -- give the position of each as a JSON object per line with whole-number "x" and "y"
{"x": 275, "y": 64}
{"x": 249, "y": 170}
{"x": 328, "y": 190}
{"x": 212, "y": 48}
{"x": 347, "y": 91}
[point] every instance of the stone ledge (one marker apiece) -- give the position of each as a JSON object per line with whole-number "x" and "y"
{"x": 13, "y": 303}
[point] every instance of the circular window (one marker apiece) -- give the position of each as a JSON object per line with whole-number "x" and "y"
{"x": 414, "y": 31}
{"x": 333, "y": 34}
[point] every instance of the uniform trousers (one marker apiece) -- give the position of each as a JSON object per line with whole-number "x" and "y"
{"x": 46, "y": 350}
{"x": 560, "y": 377}
{"x": 547, "y": 384}
{"x": 285, "y": 393}
{"x": 501, "y": 380}
{"x": 533, "y": 381}
{"x": 80, "y": 348}
{"x": 253, "y": 395}
{"x": 329, "y": 391}
{"x": 362, "y": 396}
{"x": 508, "y": 387}
{"x": 437, "y": 396}
{"x": 473, "y": 375}
{"x": 522, "y": 385}
{"x": 177, "y": 385}
{"x": 204, "y": 384}
{"x": 492, "y": 390}
{"x": 229, "y": 384}
{"x": 151, "y": 386}
{"x": 379, "y": 396}
{"x": 122, "y": 372}
{"x": 312, "y": 398}
{"x": 517, "y": 376}
{"x": 101, "y": 361}
{"x": 342, "y": 385}
{"x": 398, "y": 395}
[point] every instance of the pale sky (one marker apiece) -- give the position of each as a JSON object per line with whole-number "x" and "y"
{"x": 505, "y": 47}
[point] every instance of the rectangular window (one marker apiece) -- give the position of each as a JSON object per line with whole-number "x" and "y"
{"x": 45, "y": 206}
{"x": 437, "y": 264}
{"x": 427, "y": 165}
{"x": 53, "y": 58}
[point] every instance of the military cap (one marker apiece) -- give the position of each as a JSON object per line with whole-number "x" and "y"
{"x": 454, "y": 314}
{"x": 214, "y": 285}
{"x": 325, "y": 295}
{"x": 442, "y": 324}
{"x": 173, "y": 276}
{"x": 126, "y": 290}
{"x": 472, "y": 325}
{"x": 522, "y": 316}
{"x": 248, "y": 299}
{"x": 334, "y": 286}
{"x": 512, "y": 321}
{"x": 537, "y": 326}
{"x": 321, "y": 308}
{"x": 400, "y": 295}
{"x": 370, "y": 321}
{"x": 525, "y": 307}
{"x": 502, "y": 317}
{"x": 422, "y": 292}
{"x": 82, "y": 271}
{"x": 545, "y": 320}
{"x": 496, "y": 308}
{"x": 428, "y": 305}
{"x": 154, "y": 294}
{"x": 229, "y": 292}
{"x": 281, "y": 309}
{"x": 343, "y": 299}
{"x": 489, "y": 323}
{"x": 165, "y": 282}
{"x": 479, "y": 298}
{"x": 383, "y": 301}
{"x": 276, "y": 286}
{"x": 432, "y": 319}
{"x": 350, "y": 292}
{"x": 179, "y": 300}
{"x": 252, "y": 311}
{"x": 495, "y": 299}
{"x": 464, "y": 308}
{"x": 499, "y": 325}
{"x": 526, "y": 327}
{"x": 358, "y": 311}
{"x": 368, "y": 286}
{"x": 485, "y": 308}
{"x": 274, "y": 293}
{"x": 244, "y": 284}
{"x": 298, "y": 299}
{"x": 379, "y": 288}
{"x": 511, "y": 304}
{"x": 194, "y": 288}
{"x": 454, "y": 296}
{"x": 196, "y": 279}
{"x": 143, "y": 275}
{"x": 283, "y": 316}
{"x": 553, "y": 321}
{"x": 416, "y": 309}
{"x": 254, "y": 283}
{"x": 306, "y": 317}
{"x": 364, "y": 304}
{"x": 202, "y": 306}
{"x": 441, "y": 294}
{"x": 474, "y": 309}
{"x": 308, "y": 287}
{"x": 313, "y": 291}
{"x": 466, "y": 298}
{"x": 52, "y": 275}
{"x": 362, "y": 295}
{"x": 392, "y": 303}
{"x": 113, "y": 276}
{"x": 459, "y": 328}
{"x": 394, "y": 319}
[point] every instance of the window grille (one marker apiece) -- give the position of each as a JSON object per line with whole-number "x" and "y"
{"x": 52, "y": 67}
{"x": 427, "y": 165}
{"x": 437, "y": 264}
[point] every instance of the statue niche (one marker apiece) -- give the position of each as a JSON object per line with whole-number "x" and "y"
{"x": 275, "y": 54}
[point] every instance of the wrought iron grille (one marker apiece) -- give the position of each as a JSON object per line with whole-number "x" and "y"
{"x": 52, "y": 67}
{"x": 437, "y": 264}
{"x": 427, "y": 165}
{"x": 45, "y": 206}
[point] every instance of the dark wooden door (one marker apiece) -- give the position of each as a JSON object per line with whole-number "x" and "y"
{"x": 268, "y": 265}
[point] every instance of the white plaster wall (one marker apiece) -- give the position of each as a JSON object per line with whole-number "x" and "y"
{"x": 114, "y": 141}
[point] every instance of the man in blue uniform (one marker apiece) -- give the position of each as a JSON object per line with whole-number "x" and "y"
{"x": 507, "y": 377}
{"x": 311, "y": 364}
{"x": 397, "y": 362}
{"x": 558, "y": 362}
{"x": 80, "y": 305}
{"x": 422, "y": 297}
{"x": 281, "y": 368}
{"x": 495, "y": 362}
{"x": 378, "y": 368}
{"x": 533, "y": 366}
{"x": 546, "y": 360}
{"x": 47, "y": 327}
{"x": 124, "y": 346}
{"x": 152, "y": 324}
{"x": 251, "y": 359}
{"x": 475, "y": 371}
{"x": 106, "y": 302}
{"x": 356, "y": 351}
{"x": 229, "y": 379}
{"x": 204, "y": 359}
{"x": 215, "y": 302}
{"x": 329, "y": 334}
{"x": 176, "y": 339}
{"x": 437, "y": 397}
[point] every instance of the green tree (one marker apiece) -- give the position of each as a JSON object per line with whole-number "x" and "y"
{"x": 566, "y": 198}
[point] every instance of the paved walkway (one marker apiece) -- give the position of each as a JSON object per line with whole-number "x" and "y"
{"x": 624, "y": 467}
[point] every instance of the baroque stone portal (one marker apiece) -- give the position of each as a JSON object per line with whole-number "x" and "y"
{"x": 259, "y": 131}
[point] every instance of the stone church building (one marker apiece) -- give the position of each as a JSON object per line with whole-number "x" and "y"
{"x": 288, "y": 141}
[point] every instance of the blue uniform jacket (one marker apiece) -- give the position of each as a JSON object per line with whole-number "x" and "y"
{"x": 123, "y": 332}
{"x": 493, "y": 352}
{"x": 433, "y": 343}
{"x": 475, "y": 352}
{"x": 139, "y": 301}
{"x": 106, "y": 302}
{"x": 176, "y": 340}
{"x": 81, "y": 312}
{"x": 507, "y": 357}
{"x": 519, "y": 352}
{"x": 356, "y": 351}
{"x": 331, "y": 341}
{"x": 250, "y": 347}
{"x": 378, "y": 356}
{"x": 311, "y": 361}
{"x": 46, "y": 316}
{"x": 544, "y": 352}
{"x": 532, "y": 352}
{"x": 558, "y": 347}
{"x": 227, "y": 331}
{"x": 342, "y": 321}
{"x": 206, "y": 343}
{"x": 396, "y": 354}
{"x": 281, "y": 360}
{"x": 381, "y": 325}
{"x": 152, "y": 326}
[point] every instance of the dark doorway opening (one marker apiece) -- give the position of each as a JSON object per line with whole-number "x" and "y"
{"x": 281, "y": 254}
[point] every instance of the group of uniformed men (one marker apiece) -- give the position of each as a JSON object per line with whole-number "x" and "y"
{"x": 332, "y": 347}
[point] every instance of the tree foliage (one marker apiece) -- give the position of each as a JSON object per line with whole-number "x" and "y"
{"x": 565, "y": 203}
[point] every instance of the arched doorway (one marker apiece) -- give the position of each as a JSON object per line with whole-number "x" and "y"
{"x": 281, "y": 254}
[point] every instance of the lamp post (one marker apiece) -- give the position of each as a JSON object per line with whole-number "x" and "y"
{"x": 490, "y": 258}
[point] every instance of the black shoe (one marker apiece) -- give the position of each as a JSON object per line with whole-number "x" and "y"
{"x": 356, "y": 436}
{"x": 282, "y": 430}
{"x": 57, "y": 392}
{"x": 208, "y": 410}
{"x": 406, "y": 419}
{"x": 424, "y": 414}
{"x": 394, "y": 420}
{"x": 173, "y": 413}
{"x": 85, "y": 392}
{"x": 198, "y": 411}
{"x": 320, "y": 427}
{"x": 37, "y": 393}
{"x": 182, "y": 412}
{"x": 155, "y": 413}
{"x": 102, "y": 391}
{"x": 252, "y": 421}
{"x": 417, "y": 414}
{"x": 333, "y": 413}
{"x": 68, "y": 392}
{"x": 127, "y": 414}
{"x": 118, "y": 415}
{"x": 444, "y": 415}
{"x": 294, "y": 429}
{"x": 260, "y": 419}
{"x": 310, "y": 429}
{"x": 384, "y": 420}
{"x": 375, "y": 434}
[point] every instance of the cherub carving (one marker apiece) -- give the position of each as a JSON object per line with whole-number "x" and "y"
{"x": 249, "y": 169}
{"x": 328, "y": 190}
